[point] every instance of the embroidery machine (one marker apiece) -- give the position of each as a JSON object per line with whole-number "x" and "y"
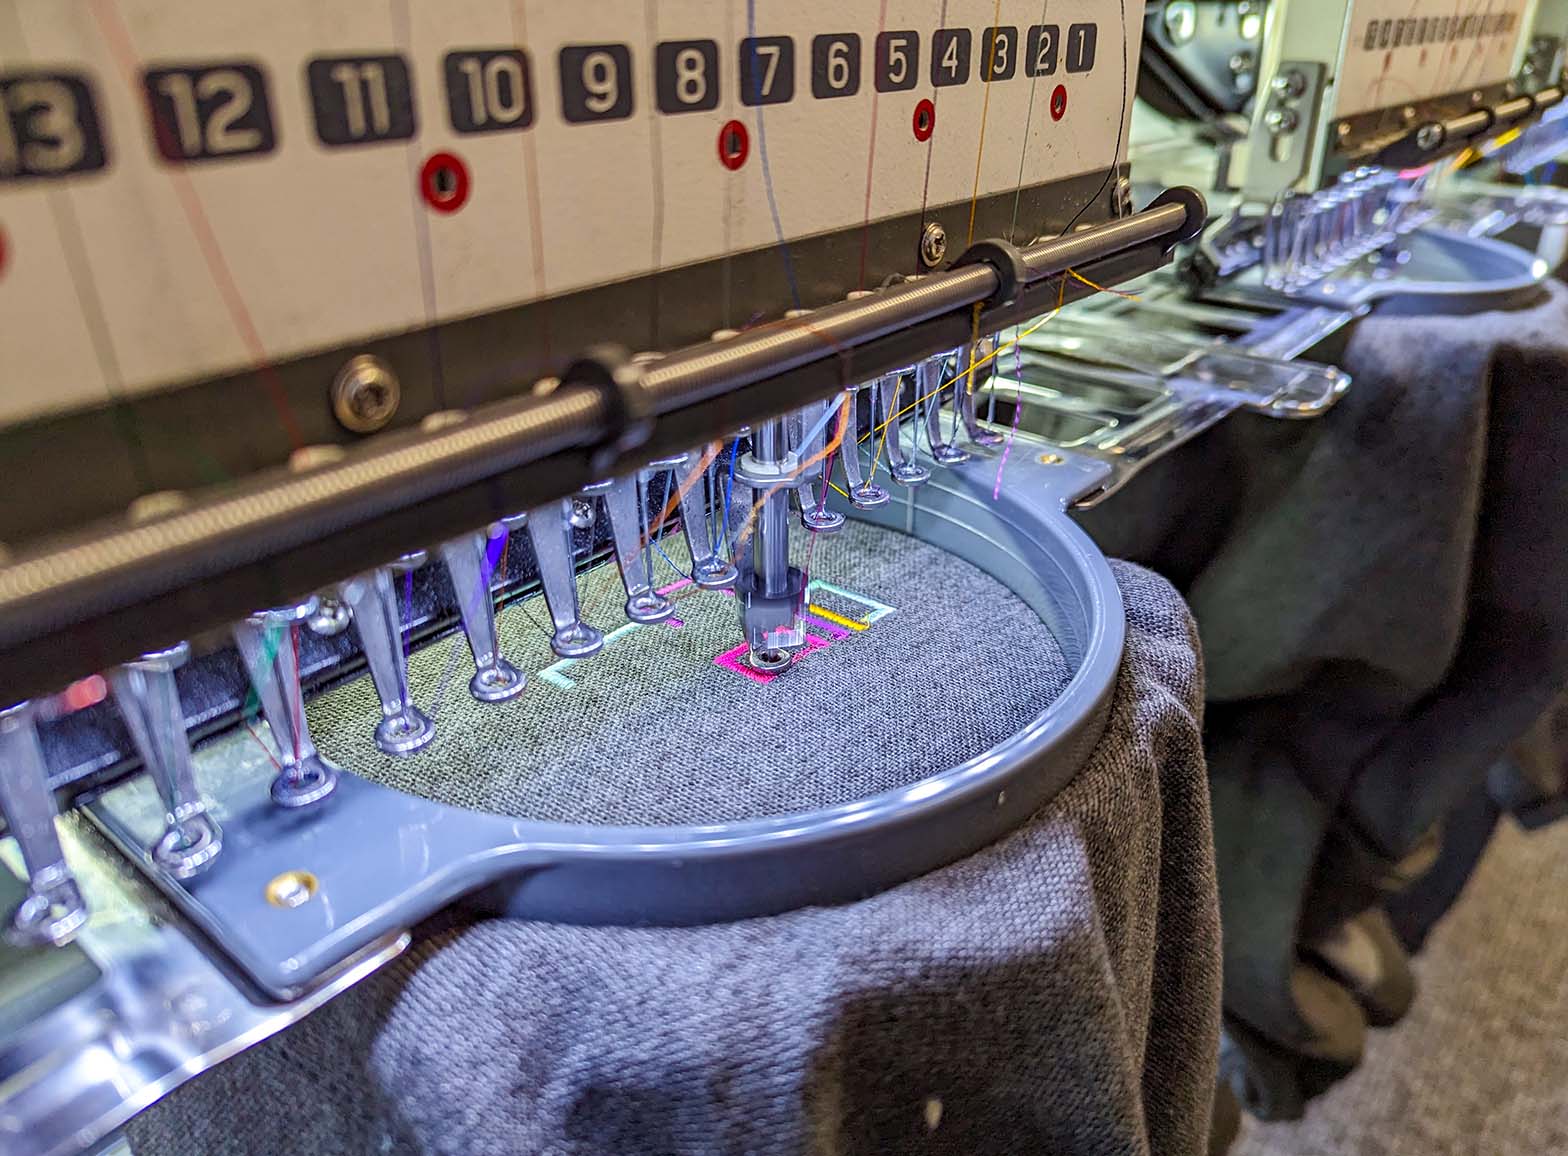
{"x": 333, "y": 336}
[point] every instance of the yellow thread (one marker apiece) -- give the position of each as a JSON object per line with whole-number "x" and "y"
{"x": 828, "y": 616}
{"x": 1077, "y": 276}
{"x": 985, "y": 109}
{"x": 997, "y": 352}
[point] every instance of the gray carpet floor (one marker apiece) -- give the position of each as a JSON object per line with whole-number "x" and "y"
{"x": 1480, "y": 1065}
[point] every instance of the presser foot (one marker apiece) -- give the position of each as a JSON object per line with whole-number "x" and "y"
{"x": 869, "y": 496}
{"x": 406, "y": 732}
{"x": 51, "y": 915}
{"x": 497, "y": 683}
{"x": 649, "y": 607}
{"x": 714, "y": 574}
{"x": 189, "y": 847}
{"x": 577, "y": 641}
{"x": 308, "y": 781}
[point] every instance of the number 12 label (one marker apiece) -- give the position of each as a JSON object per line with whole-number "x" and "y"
{"x": 208, "y": 112}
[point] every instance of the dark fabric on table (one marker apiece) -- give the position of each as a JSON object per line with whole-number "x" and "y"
{"x": 1383, "y": 601}
{"x": 1057, "y": 992}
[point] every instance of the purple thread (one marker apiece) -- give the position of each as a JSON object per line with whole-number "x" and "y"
{"x": 1018, "y": 408}
{"x": 495, "y": 550}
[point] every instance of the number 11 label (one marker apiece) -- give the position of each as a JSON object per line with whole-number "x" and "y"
{"x": 361, "y": 100}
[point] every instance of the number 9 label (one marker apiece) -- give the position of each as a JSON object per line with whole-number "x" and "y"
{"x": 596, "y": 82}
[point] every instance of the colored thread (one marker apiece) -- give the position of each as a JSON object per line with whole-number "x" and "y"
{"x": 124, "y": 52}
{"x": 1023, "y": 152}
{"x": 767, "y": 169}
{"x": 985, "y": 114}
{"x": 847, "y": 623}
{"x": 832, "y": 447}
{"x": 871, "y": 156}
{"x": 1121, "y": 132}
{"x": 535, "y": 209}
{"x": 1000, "y": 349}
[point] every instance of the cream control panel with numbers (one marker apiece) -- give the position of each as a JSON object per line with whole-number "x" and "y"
{"x": 1403, "y": 51}
{"x": 189, "y": 189}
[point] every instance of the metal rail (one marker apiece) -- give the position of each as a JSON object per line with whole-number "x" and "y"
{"x": 66, "y": 592}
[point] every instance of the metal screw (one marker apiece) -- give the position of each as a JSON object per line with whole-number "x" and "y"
{"x": 292, "y": 889}
{"x": 1181, "y": 20}
{"x": 1429, "y": 136}
{"x": 1281, "y": 121}
{"x": 1121, "y": 198}
{"x": 1290, "y": 84}
{"x": 365, "y": 394}
{"x": 1342, "y": 130}
{"x": 1410, "y": 112}
{"x": 933, "y": 245}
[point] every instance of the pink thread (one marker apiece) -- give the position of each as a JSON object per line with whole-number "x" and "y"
{"x": 832, "y": 628}
{"x": 731, "y": 660}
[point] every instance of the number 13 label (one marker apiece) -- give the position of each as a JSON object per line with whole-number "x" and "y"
{"x": 48, "y": 126}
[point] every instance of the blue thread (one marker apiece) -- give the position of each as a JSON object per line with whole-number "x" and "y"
{"x": 657, "y": 540}
{"x": 729, "y": 486}
{"x": 767, "y": 170}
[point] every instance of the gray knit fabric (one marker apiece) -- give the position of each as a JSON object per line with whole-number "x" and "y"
{"x": 1055, "y": 993}
{"x": 1383, "y": 600}
{"x": 653, "y": 731}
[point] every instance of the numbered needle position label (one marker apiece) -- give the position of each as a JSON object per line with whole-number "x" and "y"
{"x": 295, "y": 177}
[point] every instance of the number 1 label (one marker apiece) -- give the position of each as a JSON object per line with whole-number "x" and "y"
{"x": 1080, "y": 47}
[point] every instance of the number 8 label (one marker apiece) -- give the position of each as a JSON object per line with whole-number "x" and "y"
{"x": 687, "y": 77}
